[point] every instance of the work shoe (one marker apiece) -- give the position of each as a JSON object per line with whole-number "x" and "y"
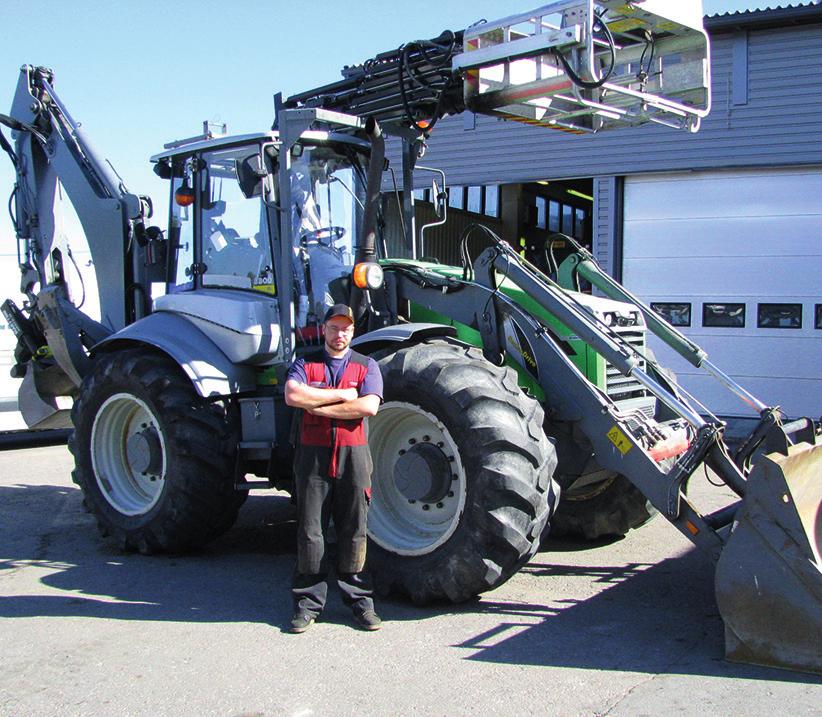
{"x": 368, "y": 620}
{"x": 301, "y": 622}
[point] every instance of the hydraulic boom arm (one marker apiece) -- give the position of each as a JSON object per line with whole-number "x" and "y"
{"x": 51, "y": 155}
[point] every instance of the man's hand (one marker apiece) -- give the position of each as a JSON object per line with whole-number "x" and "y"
{"x": 348, "y": 394}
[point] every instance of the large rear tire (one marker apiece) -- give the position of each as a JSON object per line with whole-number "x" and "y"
{"x": 154, "y": 460}
{"x": 463, "y": 475}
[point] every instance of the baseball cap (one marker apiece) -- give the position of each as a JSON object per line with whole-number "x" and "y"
{"x": 339, "y": 310}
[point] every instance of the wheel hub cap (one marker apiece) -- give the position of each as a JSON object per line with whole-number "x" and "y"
{"x": 419, "y": 483}
{"x": 423, "y": 473}
{"x": 128, "y": 454}
{"x": 144, "y": 453}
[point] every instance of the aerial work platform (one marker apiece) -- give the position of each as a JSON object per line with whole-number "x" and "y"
{"x": 580, "y": 66}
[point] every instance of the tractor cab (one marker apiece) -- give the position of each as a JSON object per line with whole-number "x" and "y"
{"x": 244, "y": 232}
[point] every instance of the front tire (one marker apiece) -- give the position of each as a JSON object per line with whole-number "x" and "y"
{"x": 462, "y": 483}
{"x": 154, "y": 460}
{"x": 609, "y": 508}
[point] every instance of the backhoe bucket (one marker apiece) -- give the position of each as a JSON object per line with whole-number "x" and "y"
{"x": 769, "y": 575}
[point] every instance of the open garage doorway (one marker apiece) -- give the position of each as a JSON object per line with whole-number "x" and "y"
{"x": 550, "y": 209}
{"x": 529, "y": 216}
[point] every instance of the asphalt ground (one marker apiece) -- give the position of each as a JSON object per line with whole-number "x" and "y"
{"x": 628, "y": 628}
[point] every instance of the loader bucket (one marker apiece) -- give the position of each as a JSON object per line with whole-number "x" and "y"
{"x": 769, "y": 574}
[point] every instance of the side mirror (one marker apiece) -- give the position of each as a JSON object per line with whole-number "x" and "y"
{"x": 250, "y": 174}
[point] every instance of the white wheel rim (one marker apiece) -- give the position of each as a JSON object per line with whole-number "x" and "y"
{"x": 128, "y": 454}
{"x": 418, "y": 482}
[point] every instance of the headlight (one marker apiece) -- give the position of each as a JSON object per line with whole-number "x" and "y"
{"x": 368, "y": 275}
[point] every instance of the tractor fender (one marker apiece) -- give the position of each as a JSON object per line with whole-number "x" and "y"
{"x": 400, "y": 334}
{"x": 210, "y": 370}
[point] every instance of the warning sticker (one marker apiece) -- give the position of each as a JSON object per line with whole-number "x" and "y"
{"x": 620, "y": 440}
{"x": 625, "y": 25}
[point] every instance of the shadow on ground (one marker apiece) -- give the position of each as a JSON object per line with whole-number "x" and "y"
{"x": 654, "y": 618}
{"x": 242, "y": 577}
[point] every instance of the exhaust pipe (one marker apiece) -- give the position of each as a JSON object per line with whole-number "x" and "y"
{"x": 367, "y": 247}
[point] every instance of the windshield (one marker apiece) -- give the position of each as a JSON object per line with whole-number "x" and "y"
{"x": 327, "y": 199}
{"x": 236, "y": 248}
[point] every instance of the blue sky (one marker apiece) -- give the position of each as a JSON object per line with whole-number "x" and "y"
{"x": 137, "y": 75}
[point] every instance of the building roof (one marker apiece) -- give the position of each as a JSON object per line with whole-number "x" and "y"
{"x": 766, "y": 6}
{"x": 768, "y": 15}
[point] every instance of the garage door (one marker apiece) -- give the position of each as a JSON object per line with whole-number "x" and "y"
{"x": 735, "y": 259}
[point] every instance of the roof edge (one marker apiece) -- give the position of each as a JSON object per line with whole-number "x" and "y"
{"x": 759, "y": 19}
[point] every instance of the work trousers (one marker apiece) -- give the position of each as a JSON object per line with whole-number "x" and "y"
{"x": 319, "y": 498}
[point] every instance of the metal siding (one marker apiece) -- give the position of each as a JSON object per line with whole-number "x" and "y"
{"x": 780, "y": 125}
{"x": 739, "y": 71}
{"x": 604, "y": 233}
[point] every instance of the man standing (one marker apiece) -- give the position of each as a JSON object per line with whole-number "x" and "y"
{"x": 336, "y": 388}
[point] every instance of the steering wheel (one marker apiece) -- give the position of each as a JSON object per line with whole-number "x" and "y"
{"x": 326, "y": 236}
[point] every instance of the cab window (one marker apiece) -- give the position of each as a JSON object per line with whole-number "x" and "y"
{"x": 236, "y": 249}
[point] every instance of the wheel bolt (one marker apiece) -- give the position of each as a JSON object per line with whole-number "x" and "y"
{"x": 426, "y": 507}
{"x": 402, "y": 451}
{"x": 450, "y": 493}
{"x": 411, "y": 501}
{"x": 426, "y": 438}
{"x": 440, "y": 444}
{"x": 439, "y": 505}
{"x": 412, "y": 441}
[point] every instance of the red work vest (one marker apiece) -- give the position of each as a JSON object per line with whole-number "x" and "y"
{"x": 332, "y": 432}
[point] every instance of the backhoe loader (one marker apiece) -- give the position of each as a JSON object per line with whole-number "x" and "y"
{"x": 504, "y": 385}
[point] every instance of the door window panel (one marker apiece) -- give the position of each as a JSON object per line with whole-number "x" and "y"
{"x": 492, "y": 200}
{"x": 236, "y": 245}
{"x": 327, "y": 204}
{"x": 675, "y": 313}
{"x": 779, "y": 316}
{"x": 723, "y": 315}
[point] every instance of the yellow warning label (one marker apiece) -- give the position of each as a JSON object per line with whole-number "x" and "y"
{"x": 266, "y": 288}
{"x": 625, "y": 25}
{"x": 620, "y": 440}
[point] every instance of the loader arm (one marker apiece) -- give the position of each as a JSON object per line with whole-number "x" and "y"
{"x": 766, "y": 541}
{"x": 772, "y": 432}
{"x": 623, "y": 442}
